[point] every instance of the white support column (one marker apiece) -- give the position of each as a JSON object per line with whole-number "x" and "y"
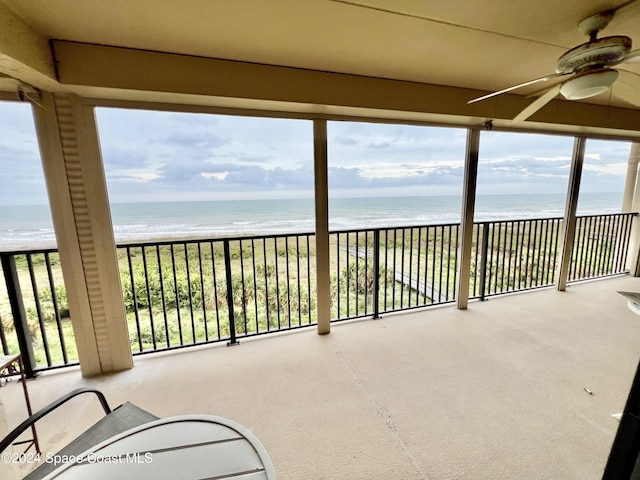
{"x": 74, "y": 174}
{"x": 323, "y": 278}
{"x": 631, "y": 203}
{"x": 631, "y": 178}
{"x": 466, "y": 219}
{"x": 571, "y": 205}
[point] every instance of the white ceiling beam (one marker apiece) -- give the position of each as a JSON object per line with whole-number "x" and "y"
{"x": 89, "y": 69}
{"x": 24, "y": 54}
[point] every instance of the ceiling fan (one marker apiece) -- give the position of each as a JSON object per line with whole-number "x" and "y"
{"x": 587, "y": 68}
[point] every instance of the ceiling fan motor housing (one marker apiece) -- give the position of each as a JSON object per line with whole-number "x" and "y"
{"x": 601, "y": 52}
{"x": 589, "y": 84}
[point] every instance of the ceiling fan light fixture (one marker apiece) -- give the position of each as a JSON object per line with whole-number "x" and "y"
{"x": 589, "y": 84}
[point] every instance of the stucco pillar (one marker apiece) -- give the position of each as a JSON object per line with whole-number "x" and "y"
{"x": 323, "y": 278}
{"x": 466, "y": 219}
{"x": 74, "y": 174}
{"x": 631, "y": 203}
{"x": 631, "y": 178}
{"x": 569, "y": 221}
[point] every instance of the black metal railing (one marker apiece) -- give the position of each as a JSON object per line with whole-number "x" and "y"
{"x": 600, "y": 247}
{"x": 200, "y": 291}
{"x": 181, "y": 293}
{"x": 384, "y": 270}
{"x": 34, "y": 313}
{"x": 514, "y": 255}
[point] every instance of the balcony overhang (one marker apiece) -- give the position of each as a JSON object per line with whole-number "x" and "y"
{"x": 118, "y": 74}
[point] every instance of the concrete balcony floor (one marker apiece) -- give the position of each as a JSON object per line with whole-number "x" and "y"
{"x": 494, "y": 392}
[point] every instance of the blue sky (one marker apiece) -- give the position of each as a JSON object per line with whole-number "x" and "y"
{"x": 152, "y": 156}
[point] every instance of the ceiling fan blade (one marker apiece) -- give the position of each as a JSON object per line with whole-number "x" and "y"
{"x": 538, "y": 104}
{"x": 630, "y": 57}
{"x": 544, "y": 90}
{"x": 525, "y": 84}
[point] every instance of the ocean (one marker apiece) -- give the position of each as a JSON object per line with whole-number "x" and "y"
{"x": 30, "y": 226}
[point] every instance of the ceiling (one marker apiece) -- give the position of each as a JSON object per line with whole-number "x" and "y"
{"x": 480, "y": 44}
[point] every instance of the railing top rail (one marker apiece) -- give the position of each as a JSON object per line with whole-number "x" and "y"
{"x": 514, "y": 220}
{"x": 28, "y": 251}
{"x": 399, "y": 227}
{"x": 181, "y": 241}
{"x": 619, "y": 214}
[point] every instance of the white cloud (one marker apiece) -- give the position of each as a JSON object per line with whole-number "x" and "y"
{"x": 153, "y": 155}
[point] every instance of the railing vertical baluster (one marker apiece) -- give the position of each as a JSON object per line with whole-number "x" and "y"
{"x": 286, "y": 254}
{"x": 441, "y": 263}
{"x": 338, "y": 276}
{"x": 539, "y": 227}
{"x": 255, "y": 283}
{"x": 36, "y": 300}
{"x": 455, "y": 262}
{"x": 510, "y": 255}
{"x": 532, "y": 251}
{"x": 227, "y": 270}
{"x": 542, "y": 250}
{"x": 483, "y": 259}
{"x": 597, "y": 244}
{"x": 603, "y": 242}
{"x": 298, "y": 279}
{"x": 556, "y": 237}
{"x": 588, "y": 269}
{"x": 410, "y": 266}
{"x": 357, "y": 282}
{"x": 266, "y": 283}
{"x": 386, "y": 266}
{"x": 604, "y": 265}
{"x": 186, "y": 264}
{"x": 582, "y": 255}
{"x": 14, "y": 293}
{"x": 164, "y": 303}
{"x": 542, "y": 245}
{"x": 243, "y": 286}
{"x": 503, "y": 255}
{"x": 594, "y": 246}
{"x": 433, "y": 264}
{"x": 625, "y": 244}
{"x": 419, "y": 255}
{"x": 203, "y": 296}
{"x": 149, "y": 302}
{"x": 604, "y": 253}
{"x": 3, "y": 339}
{"x": 134, "y": 299}
{"x": 366, "y": 271}
{"x": 376, "y": 273}
{"x": 393, "y": 290}
{"x": 519, "y": 250}
{"x": 620, "y": 244}
{"x": 617, "y": 221}
{"x": 275, "y": 252}
{"x": 348, "y": 274}
{"x": 577, "y": 249}
{"x": 56, "y": 308}
{"x": 476, "y": 272}
{"x": 446, "y": 295}
{"x": 527, "y": 229}
{"x": 402, "y": 285}
{"x": 309, "y": 277}
{"x": 176, "y": 287}
{"x": 495, "y": 254}
{"x": 215, "y": 290}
